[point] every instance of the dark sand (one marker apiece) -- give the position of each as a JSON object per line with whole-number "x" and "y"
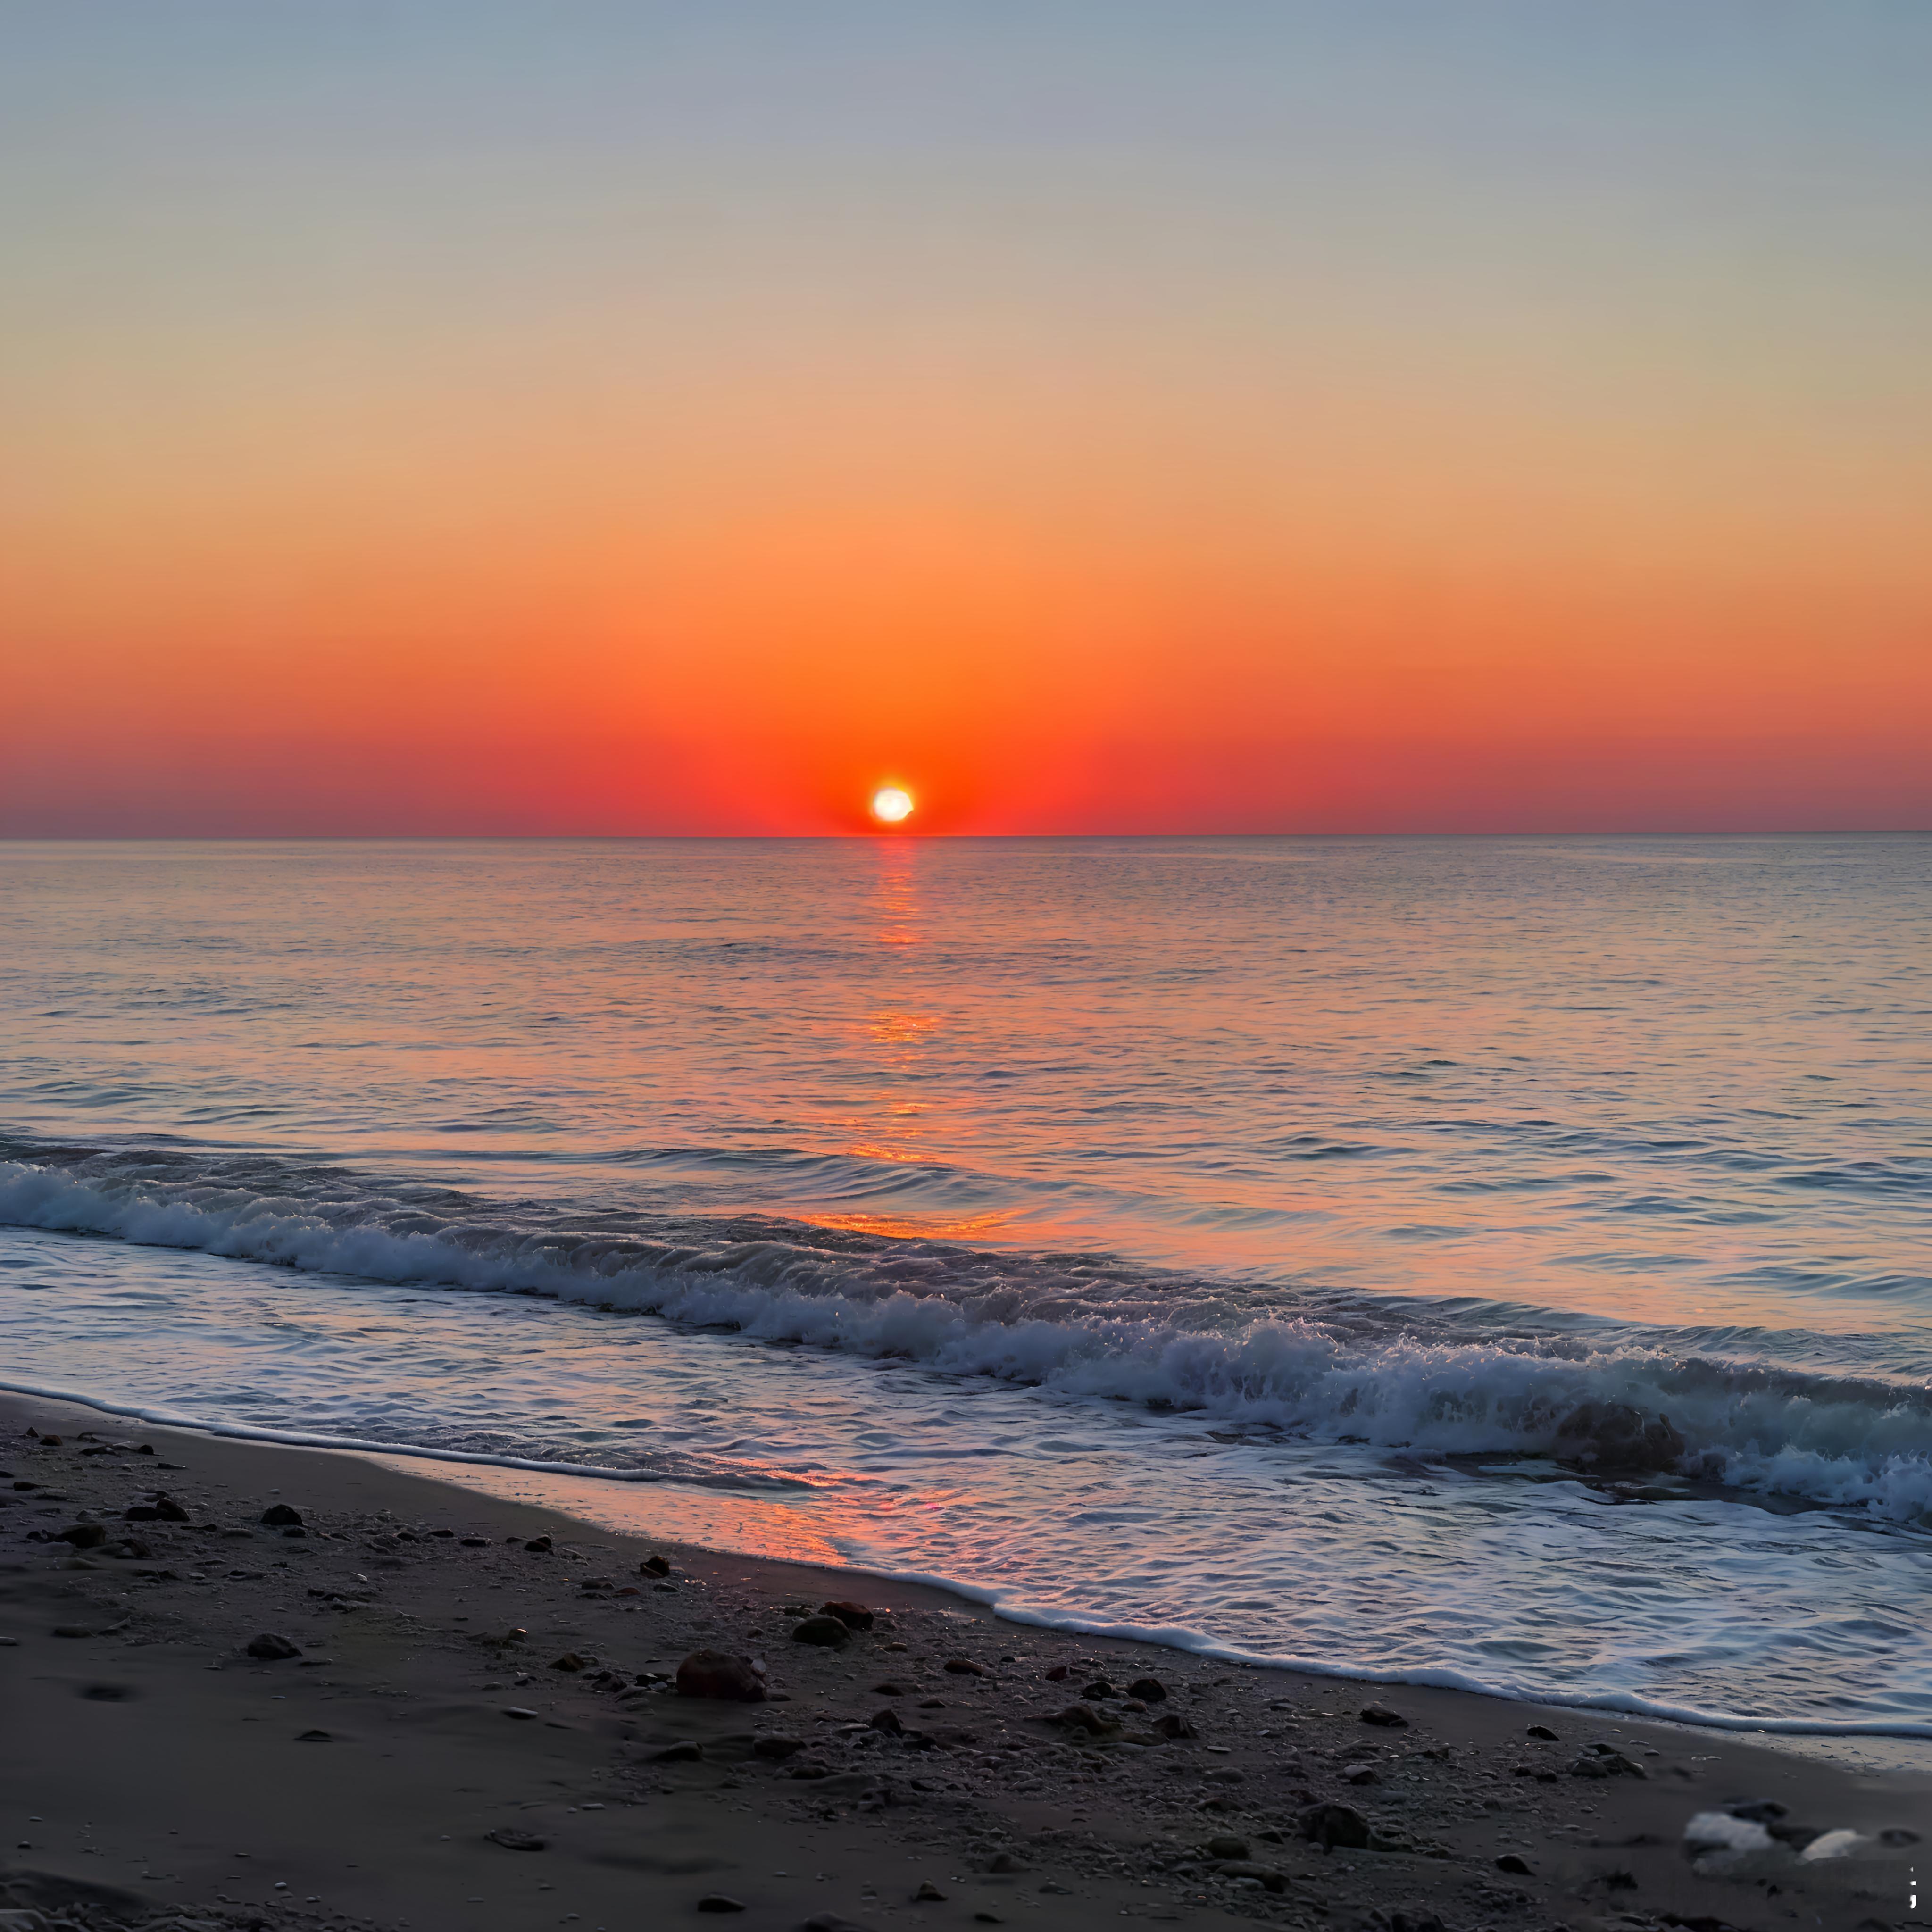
{"x": 152, "y": 1774}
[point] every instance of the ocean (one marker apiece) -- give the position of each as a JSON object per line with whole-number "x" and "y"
{"x": 1499, "y": 1262}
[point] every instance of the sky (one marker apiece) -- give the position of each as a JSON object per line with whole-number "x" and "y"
{"x": 452, "y": 417}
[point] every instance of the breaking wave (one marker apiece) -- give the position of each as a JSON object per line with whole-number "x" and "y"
{"x": 1385, "y": 1371}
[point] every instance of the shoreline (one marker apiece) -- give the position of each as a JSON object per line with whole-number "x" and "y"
{"x": 583, "y": 1495}
{"x": 158, "y": 1770}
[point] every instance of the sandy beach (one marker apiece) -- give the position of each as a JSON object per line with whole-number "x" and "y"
{"x": 474, "y": 1732}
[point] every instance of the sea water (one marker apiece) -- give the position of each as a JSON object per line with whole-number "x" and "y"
{"x": 1499, "y": 1262}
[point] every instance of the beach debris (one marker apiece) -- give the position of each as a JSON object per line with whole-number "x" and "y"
{"x": 686, "y": 1751}
{"x": 1604, "y": 1761}
{"x": 965, "y": 1666}
{"x": 828, "y": 1632}
{"x": 1328, "y": 1825}
{"x": 89, "y": 1629}
{"x": 270, "y": 1649}
{"x": 776, "y": 1747}
{"x": 1380, "y": 1714}
{"x": 1175, "y": 1727}
{"x": 281, "y": 1515}
{"x": 719, "y": 1674}
{"x": 518, "y": 1710}
{"x": 569, "y": 1660}
{"x": 720, "y": 1901}
{"x": 1149, "y": 1690}
{"x": 539, "y": 1546}
{"x": 654, "y": 1566}
{"x": 513, "y": 1840}
{"x": 854, "y": 1616}
{"x": 1543, "y": 1732}
{"x": 929, "y": 1893}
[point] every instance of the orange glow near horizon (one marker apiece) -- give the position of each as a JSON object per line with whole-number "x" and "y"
{"x": 1426, "y": 433}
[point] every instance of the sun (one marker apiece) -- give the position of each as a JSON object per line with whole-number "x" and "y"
{"x": 892, "y": 805}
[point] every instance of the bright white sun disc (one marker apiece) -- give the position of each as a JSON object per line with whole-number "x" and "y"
{"x": 891, "y": 804}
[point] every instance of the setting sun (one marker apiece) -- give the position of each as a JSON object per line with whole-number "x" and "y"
{"x": 892, "y": 805}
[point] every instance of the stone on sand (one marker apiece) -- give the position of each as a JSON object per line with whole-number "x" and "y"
{"x": 828, "y": 1632}
{"x": 270, "y": 1649}
{"x": 719, "y": 1674}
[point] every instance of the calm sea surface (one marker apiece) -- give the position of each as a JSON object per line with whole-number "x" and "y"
{"x": 1501, "y": 1261}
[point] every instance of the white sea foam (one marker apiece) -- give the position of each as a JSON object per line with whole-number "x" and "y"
{"x": 1830, "y": 1440}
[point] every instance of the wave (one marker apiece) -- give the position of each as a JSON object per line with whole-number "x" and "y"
{"x": 1384, "y": 1372}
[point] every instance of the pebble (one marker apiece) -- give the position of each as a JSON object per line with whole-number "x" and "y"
{"x": 517, "y": 1841}
{"x": 654, "y": 1566}
{"x": 279, "y": 1516}
{"x": 929, "y": 1893}
{"x": 719, "y": 1674}
{"x": 685, "y": 1751}
{"x": 965, "y": 1666}
{"x": 315, "y": 1738}
{"x": 720, "y": 1901}
{"x": 1380, "y": 1714}
{"x": 854, "y": 1616}
{"x": 271, "y": 1648}
{"x": 828, "y": 1632}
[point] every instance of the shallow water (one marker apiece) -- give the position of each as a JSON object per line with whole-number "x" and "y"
{"x": 1218, "y": 1237}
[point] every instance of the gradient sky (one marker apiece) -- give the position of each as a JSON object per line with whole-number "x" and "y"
{"x": 446, "y": 416}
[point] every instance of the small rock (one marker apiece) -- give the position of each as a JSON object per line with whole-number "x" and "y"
{"x": 279, "y": 1516}
{"x": 315, "y": 1737}
{"x": 1083, "y": 1717}
{"x": 1059, "y": 1673}
{"x": 686, "y": 1751}
{"x": 517, "y": 1841}
{"x": 1149, "y": 1690}
{"x": 777, "y": 1748}
{"x": 716, "y": 1673}
{"x": 270, "y": 1649}
{"x": 1100, "y": 1688}
{"x": 720, "y": 1901}
{"x": 1266, "y": 1876}
{"x": 1175, "y": 1726}
{"x": 1227, "y": 1848}
{"x": 83, "y": 1535}
{"x": 569, "y": 1660}
{"x": 829, "y": 1921}
{"x": 988, "y": 1919}
{"x": 1228, "y": 1774}
{"x": 1329, "y": 1825}
{"x": 886, "y": 1721}
{"x": 828, "y": 1632}
{"x": 1004, "y": 1862}
{"x": 1543, "y": 1732}
{"x": 654, "y": 1566}
{"x": 475, "y": 1542}
{"x": 929, "y": 1893}
{"x": 889, "y": 1691}
{"x": 1364, "y": 1776}
{"x": 965, "y": 1666}
{"x": 1510, "y": 1862}
{"x": 539, "y": 1546}
{"x": 1380, "y": 1714}
{"x": 854, "y": 1616}
{"x": 518, "y": 1711}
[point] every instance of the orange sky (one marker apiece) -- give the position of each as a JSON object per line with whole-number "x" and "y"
{"x": 1208, "y": 449}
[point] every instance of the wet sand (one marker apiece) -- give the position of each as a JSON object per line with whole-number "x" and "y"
{"x": 417, "y": 1766}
